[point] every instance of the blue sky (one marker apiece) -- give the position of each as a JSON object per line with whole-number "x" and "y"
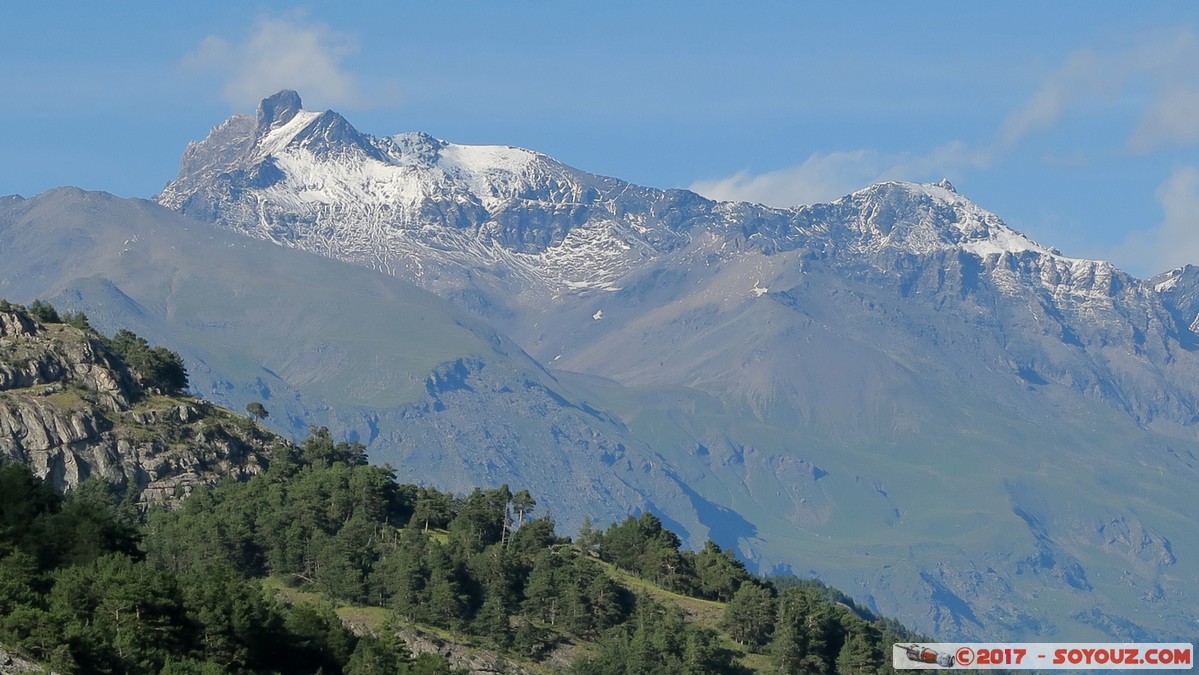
{"x": 1076, "y": 122}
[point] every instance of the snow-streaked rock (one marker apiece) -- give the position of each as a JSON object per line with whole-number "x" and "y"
{"x": 419, "y": 207}
{"x": 523, "y": 224}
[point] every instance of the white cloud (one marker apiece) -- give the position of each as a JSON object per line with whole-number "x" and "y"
{"x": 1158, "y": 68}
{"x": 284, "y": 52}
{"x": 827, "y": 176}
{"x": 1173, "y": 119}
{"x": 1175, "y": 241}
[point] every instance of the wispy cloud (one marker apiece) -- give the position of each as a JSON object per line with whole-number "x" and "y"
{"x": 1172, "y": 120}
{"x": 283, "y": 52}
{"x": 821, "y": 177}
{"x": 1080, "y": 76}
{"x": 1175, "y": 241}
{"x": 1160, "y": 67}
{"x": 1154, "y": 73}
{"x": 826, "y": 176}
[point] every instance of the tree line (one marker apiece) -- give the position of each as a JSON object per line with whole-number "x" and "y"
{"x": 79, "y": 593}
{"x": 89, "y": 583}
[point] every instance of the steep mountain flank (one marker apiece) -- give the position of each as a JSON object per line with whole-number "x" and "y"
{"x": 438, "y": 394}
{"x": 72, "y": 409}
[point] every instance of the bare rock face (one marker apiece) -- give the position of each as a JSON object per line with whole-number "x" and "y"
{"x": 70, "y": 409}
{"x": 32, "y": 354}
{"x": 13, "y": 324}
{"x": 12, "y": 663}
{"x": 462, "y": 657}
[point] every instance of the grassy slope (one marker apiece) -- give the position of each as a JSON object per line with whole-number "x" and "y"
{"x": 706, "y": 613}
{"x": 365, "y": 619}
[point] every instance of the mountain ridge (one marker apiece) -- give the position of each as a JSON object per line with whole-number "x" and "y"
{"x": 533, "y": 232}
{"x": 894, "y": 391}
{"x": 490, "y": 176}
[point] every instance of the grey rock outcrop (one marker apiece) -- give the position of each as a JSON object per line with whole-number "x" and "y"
{"x": 11, "y": 663}
{"x": 70, "y": 409}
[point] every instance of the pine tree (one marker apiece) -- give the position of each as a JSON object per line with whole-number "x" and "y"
{"x": 257, "y": 410}
{"x": 718, "y": 572}
{"x": 805, "y": 633}
{"x": 749, "y": 617}
{"x": 862, "y": 653}
{"x": 384, "y": 654}
{"x": 543, "y": 587}
{"x": 482, "y": 519}
{"x": 400, "y": 576}
{"x": 588, "y": 539}
{"x": 493, "y": 621}
{"x": 431, "y": 509}
{"x": 44, "y": 312}
{"x": 444, "y": 601}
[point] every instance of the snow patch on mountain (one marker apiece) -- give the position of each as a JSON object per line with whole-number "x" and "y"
{"x": 278, "y": 137}
{"x": 1169, "y": 282}
{"x": 490, "y": 172}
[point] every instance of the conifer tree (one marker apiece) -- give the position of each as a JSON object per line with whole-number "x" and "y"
{"x": 805, "y": 635}
{"x": 749, "y": 617}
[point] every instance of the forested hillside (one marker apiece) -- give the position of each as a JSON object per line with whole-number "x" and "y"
{"x": 98, "y": 581}
{"x": 90, "y": 584}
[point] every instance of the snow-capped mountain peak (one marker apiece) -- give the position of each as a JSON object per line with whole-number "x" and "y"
{"x": 412, "y": 203}
{"x": 442, "y": 214}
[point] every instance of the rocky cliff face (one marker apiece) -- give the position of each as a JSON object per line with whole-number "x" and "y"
{"x": 70, "y": 408}
{"x": 34, "y": 356}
